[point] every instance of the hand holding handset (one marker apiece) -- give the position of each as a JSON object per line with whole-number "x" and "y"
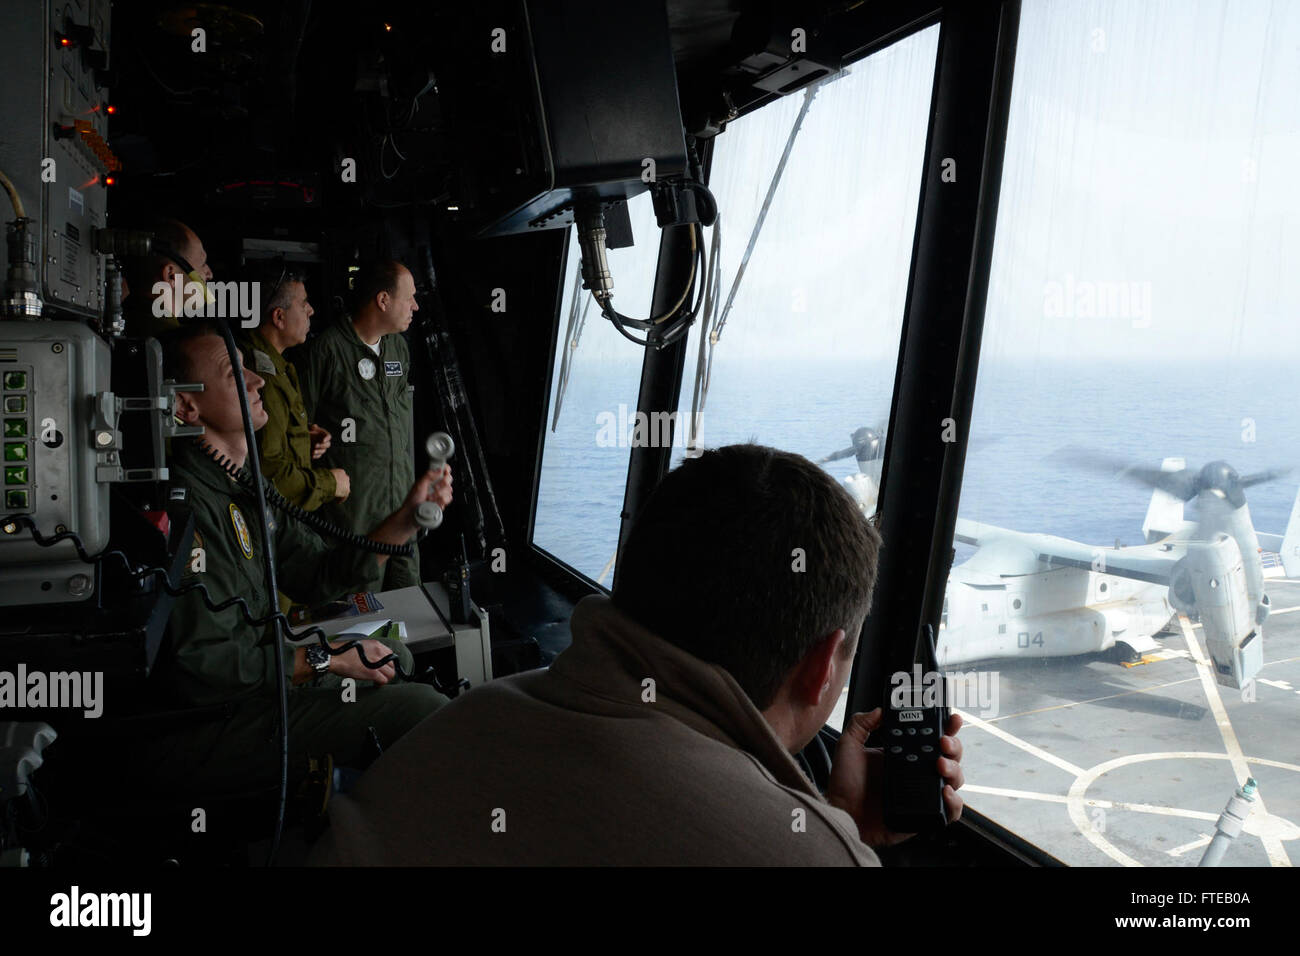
{"x": 440, "y": 447}
{"x": 912, "y": 730}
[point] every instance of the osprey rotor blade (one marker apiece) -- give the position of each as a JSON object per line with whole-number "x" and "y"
{"x": 1182, "y": 484}
{"x": 1259, "y": 477}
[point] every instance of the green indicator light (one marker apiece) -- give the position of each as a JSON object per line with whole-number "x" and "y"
{"x": 16, "y": 498}
{"x": 15, "y": 428}
{"x": 16, "y": 451}
{"x": 16, "y": 404}
{"x": 16, "y": 475}
{"x": 15, "y": 381}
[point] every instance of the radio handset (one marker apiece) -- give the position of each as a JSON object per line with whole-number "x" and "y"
{"x": 440, "y": 447}
{"x": 916, "y": 714}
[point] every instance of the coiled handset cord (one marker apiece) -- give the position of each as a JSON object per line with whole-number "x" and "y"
{"x": 310, "y": 519}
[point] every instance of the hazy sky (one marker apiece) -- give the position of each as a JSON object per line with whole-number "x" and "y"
{"x": 1152, "y": 144}
{"x": 1149, "y": 205}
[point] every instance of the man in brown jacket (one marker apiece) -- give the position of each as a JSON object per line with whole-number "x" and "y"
{"x": 664, "y": 733}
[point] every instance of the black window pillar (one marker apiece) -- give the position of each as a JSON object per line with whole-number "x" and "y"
{"x": 942, "y": 325}
{"x": 661, "y": 377}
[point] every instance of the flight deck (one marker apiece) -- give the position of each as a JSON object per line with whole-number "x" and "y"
{"x": 1100, "y": 763}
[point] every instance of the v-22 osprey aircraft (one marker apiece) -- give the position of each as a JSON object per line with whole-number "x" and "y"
{"x": 1038, "y": 595}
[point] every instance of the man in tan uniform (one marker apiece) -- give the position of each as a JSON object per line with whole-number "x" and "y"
{"x": 664, "y": 734}
{"x": 289, "y": 443}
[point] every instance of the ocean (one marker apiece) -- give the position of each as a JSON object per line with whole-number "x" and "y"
{"x": 1031, "y": 423}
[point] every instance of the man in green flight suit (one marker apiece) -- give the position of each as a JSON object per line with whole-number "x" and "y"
{"x": 354, "y": 383}
{"x": 217, "y": 657}
{"x": 289, "y": 443}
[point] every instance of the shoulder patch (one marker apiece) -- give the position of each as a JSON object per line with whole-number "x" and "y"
{"x": 241, "y": 530}
{"x": 262, "y": 363}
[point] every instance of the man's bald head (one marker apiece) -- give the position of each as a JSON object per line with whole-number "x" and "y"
{"x": 171, "y": 236}
{"x": 384, "y": 298}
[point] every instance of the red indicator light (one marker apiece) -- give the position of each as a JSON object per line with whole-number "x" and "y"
{"x": 110, "y": 109}
{"x": 64, "y": 42}
{"x": 110, "y": 180}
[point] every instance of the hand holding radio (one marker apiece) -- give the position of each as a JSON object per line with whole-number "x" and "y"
{"x": 857, "y": 783}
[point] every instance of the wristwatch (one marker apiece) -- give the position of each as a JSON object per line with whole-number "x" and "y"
{"x": 318, "y": 659}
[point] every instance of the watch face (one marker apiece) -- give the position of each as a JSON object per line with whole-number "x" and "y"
{"x": 318, "y": 658}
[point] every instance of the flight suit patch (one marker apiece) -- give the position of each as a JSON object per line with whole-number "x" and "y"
{"x": 262, "y": 363}
{"x": 366, "y": 368}
{"x": 241, "y": 530}
{"x": 392, "y": 368}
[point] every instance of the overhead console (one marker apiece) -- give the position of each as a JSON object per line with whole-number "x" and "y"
{"x": 559, "y": 105}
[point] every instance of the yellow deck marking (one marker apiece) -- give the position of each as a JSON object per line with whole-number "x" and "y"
{"x": 1272, "y": 846}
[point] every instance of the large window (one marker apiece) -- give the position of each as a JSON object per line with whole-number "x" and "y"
{"x": 1141, "y": 316}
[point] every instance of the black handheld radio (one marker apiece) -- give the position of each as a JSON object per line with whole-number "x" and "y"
{"x": 915, "y": 713}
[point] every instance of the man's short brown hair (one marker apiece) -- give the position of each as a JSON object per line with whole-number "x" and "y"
{"x": 747, "y": 557}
